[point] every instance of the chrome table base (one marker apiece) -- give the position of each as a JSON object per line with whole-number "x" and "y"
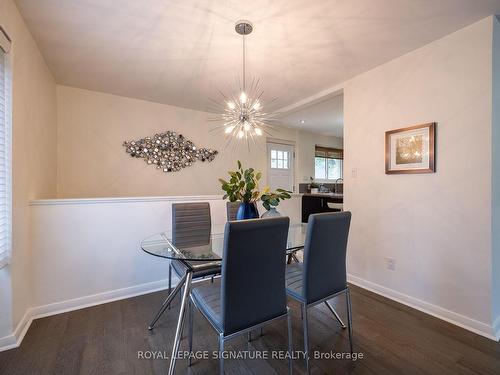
{"x": 168, "y": 301}
{"x": 180, "y": 321}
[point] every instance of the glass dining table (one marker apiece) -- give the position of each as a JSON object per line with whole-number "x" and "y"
{"x": 199, "y": 254}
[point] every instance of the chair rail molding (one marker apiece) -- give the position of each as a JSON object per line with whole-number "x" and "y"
{"x": 172, "y": 198}
{"x": 176, "y": 198}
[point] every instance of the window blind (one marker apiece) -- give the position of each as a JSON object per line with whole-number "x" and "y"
{"x": 5, "y": 161}
{"x": 327, "y": 152}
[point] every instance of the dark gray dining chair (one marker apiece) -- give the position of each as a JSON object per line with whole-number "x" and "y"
{"x": 232, "y": 210}
{"x": 251, "y": 290}
{"x": 322, "y": 275}
{"x": 191, "y": 226}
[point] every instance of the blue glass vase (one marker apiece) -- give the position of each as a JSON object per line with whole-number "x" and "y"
{"x": 247, "y": 211}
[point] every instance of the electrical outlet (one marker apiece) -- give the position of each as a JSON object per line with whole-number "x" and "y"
{"x": 390, "y": 263}
{"x": 354, "y": 172}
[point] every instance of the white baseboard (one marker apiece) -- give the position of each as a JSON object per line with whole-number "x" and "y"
{"x": 8, "y": 342}
{"x": 14, "y": 340}
{"x": 462, "y": 321}
{"x": 97, "y": 299}
{"x": 496, "y": 328}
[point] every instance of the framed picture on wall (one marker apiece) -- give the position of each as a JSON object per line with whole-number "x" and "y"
{"x": 410, "y": 150}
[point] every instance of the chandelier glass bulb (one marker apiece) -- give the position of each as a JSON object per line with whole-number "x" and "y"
{"x": 243, "y": 98}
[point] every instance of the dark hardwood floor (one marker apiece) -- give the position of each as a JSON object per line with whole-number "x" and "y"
{"x": 108, "y": 339}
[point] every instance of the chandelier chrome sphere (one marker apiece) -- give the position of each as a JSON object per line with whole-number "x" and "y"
{"x": 242, "y": 114}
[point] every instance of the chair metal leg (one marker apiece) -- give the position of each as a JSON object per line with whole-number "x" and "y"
{"x": 290, "y": 348}
{"x": 180, "y": 322}
{"x": 349, "y": 316}
{"x": 221, "y": 354}
{"x": 249, "y": 334}
{"x": 190, "y": 328}
{"x": 167, "y": 302}
{"x": 335, "y": 314}
{"x": 180, "y": 296}
{"x": 169, "y": 280}
{"x": 306, "y": 336}
{"x": 292, "y": 257}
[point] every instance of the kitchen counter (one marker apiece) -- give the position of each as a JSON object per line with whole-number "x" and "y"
{"x": 323, "y": 195}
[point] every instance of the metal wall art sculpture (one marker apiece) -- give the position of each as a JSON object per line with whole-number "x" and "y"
{"x": 168, "y": 151}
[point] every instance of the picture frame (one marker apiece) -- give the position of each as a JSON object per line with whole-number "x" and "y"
{"x": 411, "y": 150}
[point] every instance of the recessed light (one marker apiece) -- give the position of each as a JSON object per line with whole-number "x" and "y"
{"x": 302, "y": 121}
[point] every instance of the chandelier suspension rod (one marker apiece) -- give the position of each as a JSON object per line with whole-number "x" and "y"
{"x": 244, "y": 70}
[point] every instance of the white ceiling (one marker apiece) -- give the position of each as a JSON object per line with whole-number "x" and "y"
{"x": 325, "y": 117}
{"x": 182, "y": 52}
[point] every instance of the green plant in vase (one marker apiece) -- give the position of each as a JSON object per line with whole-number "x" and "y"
{"x": 243, "y": 186}
{"x": 271, "y": 199}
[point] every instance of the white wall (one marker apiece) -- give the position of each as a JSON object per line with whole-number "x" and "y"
{"x": 87, "y": 251}
{"x": 34, "y": 159}
{"x": 92, "y": 161}
{"x": 437, "y": 226}
{"x": 495, "y": 144}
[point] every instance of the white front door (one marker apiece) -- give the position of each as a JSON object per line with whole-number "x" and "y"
{"x": 280, "y": 166}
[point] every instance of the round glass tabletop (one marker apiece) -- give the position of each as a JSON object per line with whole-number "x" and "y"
{"x": 210, "y": 248}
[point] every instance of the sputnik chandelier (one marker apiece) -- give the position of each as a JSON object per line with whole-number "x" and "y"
{"x": 242, "y": 115}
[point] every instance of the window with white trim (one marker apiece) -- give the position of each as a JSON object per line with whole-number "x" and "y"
{"x": 5, "y": 151}
{"x": 328, "y": 163}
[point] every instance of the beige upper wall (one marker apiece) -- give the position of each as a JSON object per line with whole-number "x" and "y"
{"x": 437, "y": 226}
{"x": 92, "y": 161}
{"x": 34, "y": 152}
